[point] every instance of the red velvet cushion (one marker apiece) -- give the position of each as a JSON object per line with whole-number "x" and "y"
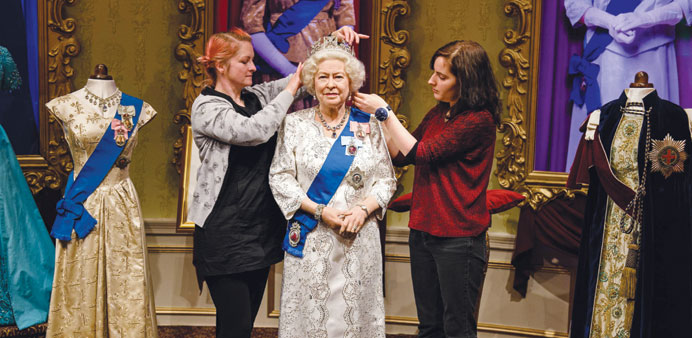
{"x": 401, "y": 204}
{"x": 497, "y": 200}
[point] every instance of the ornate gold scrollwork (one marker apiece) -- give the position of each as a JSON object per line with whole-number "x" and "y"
{"x": 57, "y": 47}
{"x": 511, "y": 162}
{"x": 191, "y": 46}
{"x": 520, "y": 56}
{"x": 392, "y": 57}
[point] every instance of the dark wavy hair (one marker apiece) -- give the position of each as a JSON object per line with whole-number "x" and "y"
{"x": 477, "y": 86}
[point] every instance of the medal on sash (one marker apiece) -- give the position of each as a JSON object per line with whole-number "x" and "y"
{"x": 352, "y": 145}
{"x": 294, "y": 234}
{"x": 359, "y": 129}
{"x": 121, "y": 127}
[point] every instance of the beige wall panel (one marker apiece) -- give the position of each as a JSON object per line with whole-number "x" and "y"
{"x": 136, "y": 40}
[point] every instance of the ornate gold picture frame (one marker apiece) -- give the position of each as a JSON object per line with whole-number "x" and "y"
{"x": 389, "y": 57}
{"x": 515, "y": 158}
{"x": 57, "y": 45}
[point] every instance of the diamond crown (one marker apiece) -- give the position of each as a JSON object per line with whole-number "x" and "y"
{"x": 330, "y": 42}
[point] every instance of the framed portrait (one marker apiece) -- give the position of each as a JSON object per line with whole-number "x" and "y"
{"x": 546, "y": 94}
{"x": 39, "y": 49}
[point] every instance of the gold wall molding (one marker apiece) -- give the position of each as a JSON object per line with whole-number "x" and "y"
{"x": 185, "y": 249}
{"x": 191, "y": 46}
{"x": 57, "y": 46}
{"x": 390, "y": 58}
{"x": 194, "y": 311}
{"x": 515, "y": 158}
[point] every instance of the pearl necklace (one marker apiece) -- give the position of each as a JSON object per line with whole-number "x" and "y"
{"x": 328, "y": 127}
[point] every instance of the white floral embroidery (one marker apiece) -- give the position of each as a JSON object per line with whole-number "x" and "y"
{"x": 335, "y": 290}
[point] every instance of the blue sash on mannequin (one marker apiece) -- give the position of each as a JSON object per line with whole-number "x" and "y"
{"x": 71, "y": 212}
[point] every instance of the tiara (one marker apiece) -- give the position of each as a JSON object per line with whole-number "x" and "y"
{"x": 330, "y": 42}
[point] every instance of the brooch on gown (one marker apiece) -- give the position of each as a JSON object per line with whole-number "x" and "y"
{"x": 356, "y": 178}
{"x": 122, "y": 162}
{"x": 667, "y": 156}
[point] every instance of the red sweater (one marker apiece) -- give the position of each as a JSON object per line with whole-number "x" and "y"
{"x": 453, "y": 162}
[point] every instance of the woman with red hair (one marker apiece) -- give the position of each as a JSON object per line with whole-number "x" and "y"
{"x": 238, "y": 230}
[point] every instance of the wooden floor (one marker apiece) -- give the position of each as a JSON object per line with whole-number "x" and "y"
{"x": 207, "y": 331}
{"x": 38, "y": 331}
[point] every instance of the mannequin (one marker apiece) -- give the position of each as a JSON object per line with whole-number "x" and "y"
{"x": 100, "y": 83}
{"x": 640, "y": 88}
{"x": 102, "y": 285}
{"x": 634, "y": 274}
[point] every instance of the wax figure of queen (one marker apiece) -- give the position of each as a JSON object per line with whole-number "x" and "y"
{"x": 332, "y": 177}
{"x": 239, "y": 228}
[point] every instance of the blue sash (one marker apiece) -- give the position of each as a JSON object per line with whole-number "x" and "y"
{"x": 323, "y": 187}
{"x": 292, "y": 21}
{"x": 582, "y": 68}
{"x": 71, "y": 212}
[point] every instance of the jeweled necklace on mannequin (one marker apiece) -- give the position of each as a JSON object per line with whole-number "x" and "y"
{"x": 103, "y": 103}
{"x": 330, "y": 128}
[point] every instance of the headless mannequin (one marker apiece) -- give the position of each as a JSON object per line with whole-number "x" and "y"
{"x": 100, "y": 83}
{"x": 640, "y": 88}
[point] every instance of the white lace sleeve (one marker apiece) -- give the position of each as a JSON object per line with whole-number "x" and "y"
{"x": 282, "y": 173}
{"x": 384, "y": 185}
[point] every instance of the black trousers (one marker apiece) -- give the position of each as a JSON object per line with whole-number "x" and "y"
{"x": 237, "y": 298}
{"x": 447, "y": 273}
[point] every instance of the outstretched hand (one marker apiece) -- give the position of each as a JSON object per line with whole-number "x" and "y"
{"x": 346, "y": 33}
{"x": 368, "y": 102}
{"x": 295, "y": 83}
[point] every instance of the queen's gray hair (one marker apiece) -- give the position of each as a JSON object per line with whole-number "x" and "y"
{"x": 355, "y": 70}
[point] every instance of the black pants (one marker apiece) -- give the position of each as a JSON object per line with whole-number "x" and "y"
{"x": 237, "y": 298}
{"x": 447, "y": 273}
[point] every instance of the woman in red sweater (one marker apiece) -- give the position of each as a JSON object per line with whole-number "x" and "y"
{"x": 452, "y": 150}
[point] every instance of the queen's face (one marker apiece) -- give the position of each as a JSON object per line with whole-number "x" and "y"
{"x": 444, "y": 84}
{"x": 332, "y": 84}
